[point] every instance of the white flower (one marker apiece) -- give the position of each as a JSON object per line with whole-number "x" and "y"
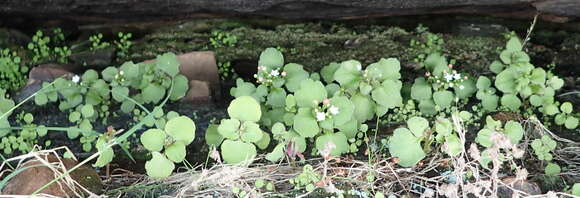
{"x": 76, "y": 79}
{"x": 320, "y": 116}
{"x": 450, "y": 84}
{"x": 457, "y": 76}
{"x": 121, "y": 73}
{"x": 448, "y": 77}
{"x": 275, "y": 73}
{"x": 333, "y": 110}
{"x": 461, "y": 87}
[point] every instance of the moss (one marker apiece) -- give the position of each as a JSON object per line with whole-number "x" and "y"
{"x": 316, "y": 44}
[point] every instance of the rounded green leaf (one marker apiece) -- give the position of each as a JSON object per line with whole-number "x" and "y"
{"x": 264, "y": 142}
{"x": 388, "y": 94}
{"x": 159, "y": 166}
{"x": 90, "y": 76}
{"x": 552, "y": 169}
{"x": 295, "y": 74}
{"x": 514, "y": 44}
{"x": 176, "y": 152}
{"x": 153, "y": 93}
{"x": 237, "y": 151}
{"x": 538, "y": 76}
{"x": 345, "y": 109}
{"x": 506, "y": 80}
{"x": 427, "y": 107}
{"x": 496, "y": 67}
{"x": 514, "y": 131}
{"x": 551, "y": 109}
{"x": 127, "y": 106}
{"x": 443, "y": 126}
{"x": 106, "y": 155}
{"x": 328, "y": 71}
{"x": 130, "y": 70}
{"x": 511, "y": 101}
{"x": 109, "y": 73}
{"x": 310, "y": 93}
{"x": 276, "y": 97}
{"x": 40, "y": 99}
{"x": 153, "y": 139}
{"x": 212, "y": 136}
{"x": 120, "y": 93}
{"x": 180, "y": 87}
{"x": 417, "y": 125}
{"x": 576, "y": 189}
{"x": 252, "y": 132}
{"x": 87, "y": 110}
{"x": 453, "y": 145}
{"x": 405, "y": 146}
{"x": 566, "y": 107}
{"x": 337, "y": 143}
{"x": 555, "y": 82}
{"x": 348, "y": 74}
{"x": 421, "y": 90}
{"x": 483, "y": 137}
{"x": 271, "y": 58}
{"x": 443, "y": 98}
{"x": 228, "y": 128}
{"x": 385, "y": 69}
{"x": 277, "y": 153}
{"x": 168, "y": 63}
{"x": 181, "y": 128}
{"x": 74, "y": 116}
{"x": 489, "y": 102}
{"x": 364, "y": 107}
{"x": 305, "y": 123}
{"x": 571, "y": 122}
{"x": 245, "y": 108}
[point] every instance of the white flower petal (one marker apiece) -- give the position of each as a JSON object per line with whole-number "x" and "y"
{"x": 320, "y": 116}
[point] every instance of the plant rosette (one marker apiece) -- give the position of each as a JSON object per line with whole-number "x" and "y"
{"x": 168, "y": 145}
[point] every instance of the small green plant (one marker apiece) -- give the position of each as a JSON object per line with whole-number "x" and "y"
{"x": 542, "y": 148}
{"x": 427, "y": 44}
{"x": 97, "y": 42}
{"x": 496, "y": 136}
{"x": 516, "y": 76}
{"x": 89, "y": 97}
{"x": 307, "y": 179}
{"x": 566, "y": 117}
{"x": 442, "y": 87}
{"x": 178, "y": 132}
{"x": 225, "y": 70}
{"x": 12, "y": 70}
{"x": 241, "y": 132}
{"x": 123, "y": 45}
{"x": 221, "y": 39}
{"x": 405, "y": 144}
{"x": 45, "y": 49}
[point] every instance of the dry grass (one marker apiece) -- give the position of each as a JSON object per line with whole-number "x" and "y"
{"x": 58, "y": 168}
{"x": 427, "y": 179}
{"x": 219, "y": 180}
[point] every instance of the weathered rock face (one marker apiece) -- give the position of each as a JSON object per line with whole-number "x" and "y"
{"x": 33, "y": 178}
{"x": 98, "y": 59}
{"x": 88, "y": 10}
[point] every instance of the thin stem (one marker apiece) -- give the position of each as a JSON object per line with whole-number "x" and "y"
{"x": 54, "y": 129}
